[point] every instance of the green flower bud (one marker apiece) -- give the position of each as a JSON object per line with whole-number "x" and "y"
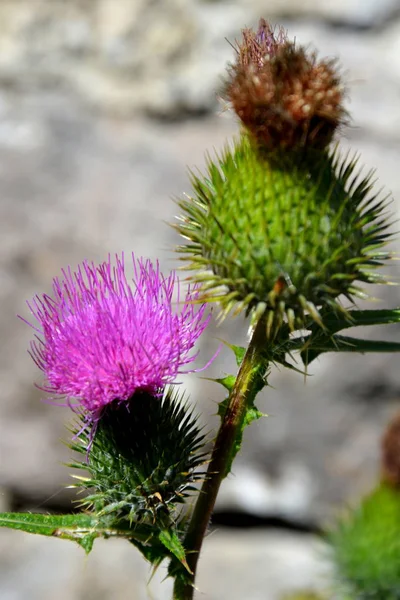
{"x": 283, "y": 232}
{"x": 366, "y": 547}
{"x": 143, "y": 459}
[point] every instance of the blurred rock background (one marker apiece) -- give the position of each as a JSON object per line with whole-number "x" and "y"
{"x": 103, "y": 106}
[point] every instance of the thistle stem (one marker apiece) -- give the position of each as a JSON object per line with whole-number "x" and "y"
{"x": 246, "y": 387}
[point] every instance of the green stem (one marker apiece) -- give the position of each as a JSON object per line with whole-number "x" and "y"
{"x": 246, "y": 387}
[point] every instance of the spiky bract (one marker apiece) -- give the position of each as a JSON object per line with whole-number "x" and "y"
{"x": 366, "y": 547}
{"x": 282, "y": 232}
{"x": 101, "y": 337}
{"x": 143, "y": 460}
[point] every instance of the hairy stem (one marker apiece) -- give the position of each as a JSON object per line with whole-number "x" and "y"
{"x": 246, "y": 387}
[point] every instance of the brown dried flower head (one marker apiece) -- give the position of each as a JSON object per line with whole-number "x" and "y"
{"x": 282, "y": 94}
{"x": 391, "y": 452}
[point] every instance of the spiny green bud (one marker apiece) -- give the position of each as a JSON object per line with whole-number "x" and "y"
{"x": 366, "y": 547}
{"x": 142, "y": 460}
{"x": 283, "y": 233}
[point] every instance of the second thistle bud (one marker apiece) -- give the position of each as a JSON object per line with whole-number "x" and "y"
{"x": 279, "y": 225}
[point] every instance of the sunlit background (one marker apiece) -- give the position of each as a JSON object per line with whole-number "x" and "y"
{"x": 104, "y": 104}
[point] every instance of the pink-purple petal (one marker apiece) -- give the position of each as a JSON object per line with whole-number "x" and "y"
{"x": 103, "y": 338}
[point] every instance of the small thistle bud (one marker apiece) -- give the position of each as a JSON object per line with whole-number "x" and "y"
{"x": 366, "y": 548}
{"x": 284, "y": 233}
{"x": 283, "y": 94}
{"x": 144, "y": 459}
{"x": 390, "y": 462}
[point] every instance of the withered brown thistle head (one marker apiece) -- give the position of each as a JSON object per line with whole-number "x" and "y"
{"x": 283, "y": 94}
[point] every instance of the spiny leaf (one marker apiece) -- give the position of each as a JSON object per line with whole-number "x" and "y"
{"x": 339, "y": 343}
{"x": 81, "y": 528}
{"x": 154, "y": 551}
{"x": 228, "y": 382}
{"x": 172, "y": 542}
{"x": 320, "y": 341}
{"x": 334, "y": 322}
{"x": 253, "y": 414}
{"x": 222, "y": 406}
{"x": 239, "y": 353}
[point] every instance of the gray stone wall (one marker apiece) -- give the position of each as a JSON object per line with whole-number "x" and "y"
{"x": 103, "y": 106}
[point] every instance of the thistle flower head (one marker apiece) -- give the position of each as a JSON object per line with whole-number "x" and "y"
{"x": 258, "y": 48}
{"x": 101, "y": 339}
{"x": 285, "y": 234}
{"x": 280, "y": 226}
{"x": 283, "y": 94}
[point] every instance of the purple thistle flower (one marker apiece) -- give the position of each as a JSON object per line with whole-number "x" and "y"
{"x": 100, "y": 340}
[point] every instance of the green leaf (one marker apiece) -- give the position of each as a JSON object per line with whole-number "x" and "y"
{"x": 172, "y": 542}
{"x": 340, "y": 343}
{"x": 222, "y": 406}
{"x": 252, "y": 414}
{"x": 153, "y": 551}
{"x": 228, "y": 382}
{"x": 334, "y": 322}
{"x": 81, "y": 528}
{"x": 238, "y": 351}
{"x": 320, "y": 341}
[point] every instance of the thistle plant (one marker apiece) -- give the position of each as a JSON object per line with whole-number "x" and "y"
{"x": 366, "y": 539}
{"x": 282, "y": 229}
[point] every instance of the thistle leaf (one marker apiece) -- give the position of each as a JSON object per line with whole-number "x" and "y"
{"x": 78, "y": 528}
{"x": 334, "y": 322}
{"x": 320, "y": 341}
{"x": 239, "y": 353}
{"x": 341, "y": 343}
{"x": 227, "y": 382}
{"x": 173, "y": 544}
{"x": 81, "y": 528}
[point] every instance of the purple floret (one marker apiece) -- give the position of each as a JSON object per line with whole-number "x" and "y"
{"x": 101, "y": 339}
